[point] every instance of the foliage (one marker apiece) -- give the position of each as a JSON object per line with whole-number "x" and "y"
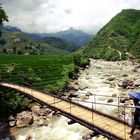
{"x": 121, "y": 34}
{"x": 61, "y": 44}
{"x": 3, "y": 17}
{"x": 37, "y": 71}
{"x": 80, "y": 60}
{"x": 16, "y": 42}
{"x": 48, "y": 73}
{"x": 11, "y": 102}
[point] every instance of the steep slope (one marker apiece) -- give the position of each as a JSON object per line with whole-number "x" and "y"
{"x": 121, "y": 36}
{"x": 16, "y": 42}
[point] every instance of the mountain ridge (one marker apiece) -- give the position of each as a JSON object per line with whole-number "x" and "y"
{"x": 14, "y": 41}
{"x": 120, "y": 34}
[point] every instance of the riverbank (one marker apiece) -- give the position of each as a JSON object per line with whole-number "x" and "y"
{"x": 114, "y": 79}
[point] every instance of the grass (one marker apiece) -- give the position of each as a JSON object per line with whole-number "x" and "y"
{"x": 49, "y": 73}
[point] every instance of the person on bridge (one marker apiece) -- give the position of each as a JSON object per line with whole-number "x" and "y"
{"x": 136, "y": 115}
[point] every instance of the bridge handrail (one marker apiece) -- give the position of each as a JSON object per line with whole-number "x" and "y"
{"x": 70, "y": 101}
{"x": 106, "y": 104}
{"x": 73, "y": 99}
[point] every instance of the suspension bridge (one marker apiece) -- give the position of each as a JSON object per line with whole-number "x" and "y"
{"x": 106, "y": 125}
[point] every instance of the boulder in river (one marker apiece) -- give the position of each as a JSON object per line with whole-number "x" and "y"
{"x": 36, "y": 109}
{"x": 127, "y": 83}
{"x": 12, "y": 123}
{"x": 111, "y": 78}
{"x": 11, "y": 118}
{"x": 29, "y": 137}
{"x": 110, "y": 100}
{"x": 89, "y": 135}
{"x": 73, "y": 86}
{"x": 89, "y": 93}
{"x": 114, "y": 95}
{"x": 24, "y": 119}
{"x": 40, "y": 111}
{"x": 73, "y": 95}
{"x": 124, "y": 75}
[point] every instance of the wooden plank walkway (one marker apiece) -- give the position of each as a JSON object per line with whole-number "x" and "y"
{"x": 108, "y": 127}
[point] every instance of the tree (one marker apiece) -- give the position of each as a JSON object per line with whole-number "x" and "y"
{"x": 3, "y": 17}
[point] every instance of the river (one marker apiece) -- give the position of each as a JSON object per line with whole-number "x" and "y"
{"x": 101, "y": 78}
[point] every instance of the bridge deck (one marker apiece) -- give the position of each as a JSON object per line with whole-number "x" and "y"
{"x": 108, "y": 125}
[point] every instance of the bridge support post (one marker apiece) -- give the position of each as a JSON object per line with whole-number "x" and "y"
{"x": 95, "y": 100}
{"x": 54, "y": 101}
{"x": 70, "y": 106}
{"x": 92, "y": 111}
{"x": 124, "y": 125}
{"x": 118, "y": 105}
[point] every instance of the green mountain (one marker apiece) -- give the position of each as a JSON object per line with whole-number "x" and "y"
{"x": 60, "y": 43}
{"x": 16, "y": 42}
{"x": 78, "y": 37}
{"x": 118, "y": 39}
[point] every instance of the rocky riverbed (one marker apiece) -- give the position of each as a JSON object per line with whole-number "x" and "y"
{"x": 104, "y": 82}
{"x": 112, "y": 79}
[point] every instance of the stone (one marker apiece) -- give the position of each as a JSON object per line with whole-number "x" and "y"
{"x": 29, "y": 137}
{"x": 110, "y": 100}
{"x": 88, "y": 93}
{"x": 12, "y": 123}
{"x": 136, "y": 68}
{"x": 89, "y": 135}
{"x": 82, "y": 87}
{"x": 73, "y": 95}
{"x": 24, "y": 119}
{"x": 137, "y": 83}
{"x": 124, "y": 75}
{"x": 114, "y": 95}
{"x": 56, "y": 113}
{"x": 111, "y": 79}
{"x": 127, "y": 83}
{"x": 113, "y": 85}
{"x": 11, "y": 118}
{"x": 122, "y": 100}
{"x": 73, "y": 86}
{"x": 84, "y": 97}
{"x": 130, "y": 87}
{"x": 41, "y": 122}
{"x": 36, "y": 109}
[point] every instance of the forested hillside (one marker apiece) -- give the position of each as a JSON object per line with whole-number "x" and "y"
{"x": 118, "y": 39}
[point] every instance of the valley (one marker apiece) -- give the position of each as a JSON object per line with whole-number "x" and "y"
{"x": 72, "y": 64}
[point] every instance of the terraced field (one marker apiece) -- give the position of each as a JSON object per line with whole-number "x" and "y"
{"x": 49, "y": 73}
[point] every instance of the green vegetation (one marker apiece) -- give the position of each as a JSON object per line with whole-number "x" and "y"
{"x": 120, "y": 36}
{"x": 3, "y": 17}
{"x": 78, "y": 37}
{"x": 12, "y": 102}
{"x": 61, "y": 44}
{"x": 80, "y": 60}
{"x": 16, "y": 42}
{"x": 49, "y": 73}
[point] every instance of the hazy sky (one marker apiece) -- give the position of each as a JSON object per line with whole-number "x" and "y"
{"x": 57, "y": 15}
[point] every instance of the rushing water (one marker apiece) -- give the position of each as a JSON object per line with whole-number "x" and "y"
{"x": 59, "y": 130}
{"x": 94, "y": 79}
